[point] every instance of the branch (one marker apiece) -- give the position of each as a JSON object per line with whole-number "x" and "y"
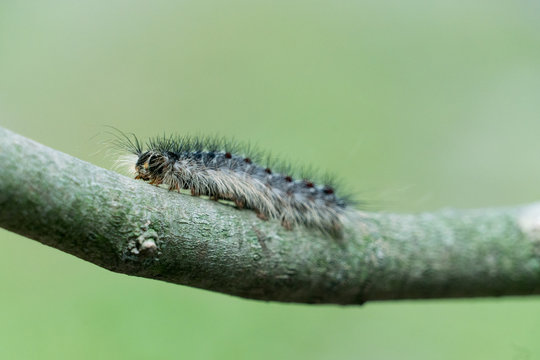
{"x": 130, "y": 227}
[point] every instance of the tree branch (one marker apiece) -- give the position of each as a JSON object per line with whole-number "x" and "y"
{"x": 130, "y": 227}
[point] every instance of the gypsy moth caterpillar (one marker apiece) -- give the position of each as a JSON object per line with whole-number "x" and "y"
{"x": 227, "y": 170}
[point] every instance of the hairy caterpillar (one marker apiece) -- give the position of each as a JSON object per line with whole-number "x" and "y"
{"x": 222, "y": 170}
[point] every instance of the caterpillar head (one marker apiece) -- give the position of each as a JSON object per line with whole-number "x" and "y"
{"x": 150, "y": 166}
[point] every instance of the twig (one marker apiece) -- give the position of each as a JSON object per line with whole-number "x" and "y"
{"x": 130, "y": 227}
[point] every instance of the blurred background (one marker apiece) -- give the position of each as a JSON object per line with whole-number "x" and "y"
{"x": 415, "y": 105}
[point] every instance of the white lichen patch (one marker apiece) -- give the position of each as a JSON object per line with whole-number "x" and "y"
{"x": 148, "y": 246}
{"x": 529, "y": 220}
{"x": 145, "y": 244}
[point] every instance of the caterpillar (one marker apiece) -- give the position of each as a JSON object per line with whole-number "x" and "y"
{"x": 222, "y": 170}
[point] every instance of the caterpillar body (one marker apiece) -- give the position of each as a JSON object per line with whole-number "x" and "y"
{"x": 222, "y": 170}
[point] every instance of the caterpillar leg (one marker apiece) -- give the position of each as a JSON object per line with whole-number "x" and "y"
{"x": 239, "y": 203}
{"x": 286, "y": 224}
{"x": 262, "y": 216}
{"x": 336, "y": 230}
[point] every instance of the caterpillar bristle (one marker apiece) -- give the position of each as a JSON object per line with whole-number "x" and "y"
{"x": 224, "y": 169}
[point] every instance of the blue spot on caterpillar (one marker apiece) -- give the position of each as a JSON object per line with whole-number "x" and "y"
{"x": 222, "y": 170}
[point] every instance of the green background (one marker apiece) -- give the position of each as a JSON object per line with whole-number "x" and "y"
{"x": 415, "y": 105}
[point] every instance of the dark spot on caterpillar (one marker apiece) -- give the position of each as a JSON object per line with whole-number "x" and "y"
{"x": 309, "y": 184}
{"x": 268, "y": 171}
{"x": 171, "y": 156}
{"x": 228, "y": 155}
{"x": 197, "y": 155}
{"x": 247, "y": 160}
{"x": 328, "y": 190}
{"x": 288, "y": 179}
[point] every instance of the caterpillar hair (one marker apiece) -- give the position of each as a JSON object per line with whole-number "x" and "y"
{"x": 227, "y": 170}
